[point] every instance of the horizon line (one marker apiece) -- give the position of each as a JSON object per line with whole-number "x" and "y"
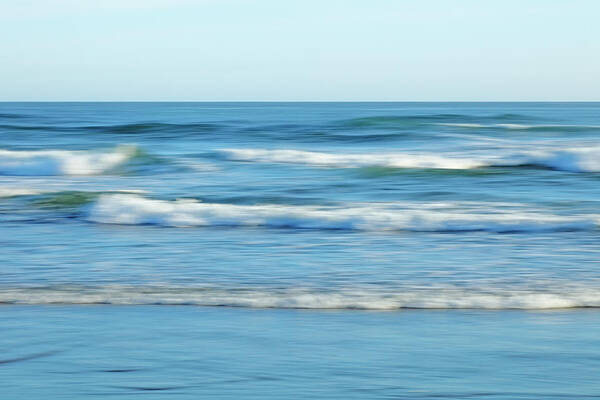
{"x": 299, "y": 101}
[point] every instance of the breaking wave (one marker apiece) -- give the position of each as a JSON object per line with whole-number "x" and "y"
{"x": 18, "y": 191}
{"x": 306, "y": 298}
{"x": 322, "y": 159}
{"x": 434, "y": 217}
{"x": 570, "y": 159}
{"x": 523, "y": 127}
{"x": 63, "y": 162}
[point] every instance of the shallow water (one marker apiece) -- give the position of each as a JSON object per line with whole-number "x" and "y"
{"x": 286, "y": 206}
{"x": 190, "y": 352}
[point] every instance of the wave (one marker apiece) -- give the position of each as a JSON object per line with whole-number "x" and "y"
{"x": 16, "y": 191}
{"x": 63, "y": 162}
{"x": 417, "y": 217}
{"x": 50, "y": 128}
{"x": 150, "y": 127}
{"x": 12, "y": 116}
{"x": 321, "y": 159}
{"x": 569, "y": 159}
{"x": 307, "y": 298}
{"x": 74, "y": 198}
{"x": 167, "y": 129}
{"x": 524, "y": 127}
{"x": 322, "y": 133}
{"x": 400, "y": 121}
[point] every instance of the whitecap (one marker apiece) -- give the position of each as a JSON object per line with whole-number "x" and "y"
{"x": 16, "y": 191}
{"x": 574, "y": 159}
{"x": 569, "y": 159}
{"x": 402, "y": 216}
{"x": 358, "y": 298}
{"x": 62, "y": 162}
{"x": 391, "y": 160}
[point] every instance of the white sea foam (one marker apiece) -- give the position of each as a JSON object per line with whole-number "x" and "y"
{"x": 306, "y": 298}
{"x": 435, "y": 217}
{"x": 523, "y": 126}
{"x": 62, "y": 162}
{"x": 391, "y": 160}
{"x": 16, "y": 191}
{"x": 462, "y": 125}
{"x": 576, "y": 159}
{"x": 196, "y": 165}
{"x": 518, "y": 126}
{"x": 570, "y": 159}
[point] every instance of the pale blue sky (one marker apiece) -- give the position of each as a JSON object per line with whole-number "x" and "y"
{"x": 218, "y": 50}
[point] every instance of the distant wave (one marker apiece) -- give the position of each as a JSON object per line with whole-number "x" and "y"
{"x": 524, "y": 127}
{"x": 12, "y": 116}
{"x": 337, "y": 129}
{"x": 568, "y": 159}
{"x": 63, "y": 162}
{"x": 305, "y": 298}
{"x": 148, "y": 127}
{"x": 322, "y": 133}
{"x": 362, "y": 129}
{"x": 415, "y": 119}
{"x": 504, "y": 122}
{"x": 419, "y": 217}
{"x": 20, "y": 127}
{"x": 132, "y": 128}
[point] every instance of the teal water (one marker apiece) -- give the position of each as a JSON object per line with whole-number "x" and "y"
{"x": 325, "y": 250}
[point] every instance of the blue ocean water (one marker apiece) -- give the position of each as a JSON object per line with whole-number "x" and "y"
{"x": 323, "y": 250}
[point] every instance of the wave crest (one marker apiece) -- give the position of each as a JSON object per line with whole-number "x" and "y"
{"x": 391, "y": 160}
{"x": 306, "y": 298}
{"x": 434, "y": 217}
{"x": 522, "y": 127}
{"x": 570, "y": 159}
{"x": 63, "y": 162}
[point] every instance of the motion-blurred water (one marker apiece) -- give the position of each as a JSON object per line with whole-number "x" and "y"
{"x": 331, "y": 208}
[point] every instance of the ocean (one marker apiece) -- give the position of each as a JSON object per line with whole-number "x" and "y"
{"x": 300, "y": 250}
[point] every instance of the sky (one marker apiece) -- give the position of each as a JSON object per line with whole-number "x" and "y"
{"x": 299, "y": 50}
